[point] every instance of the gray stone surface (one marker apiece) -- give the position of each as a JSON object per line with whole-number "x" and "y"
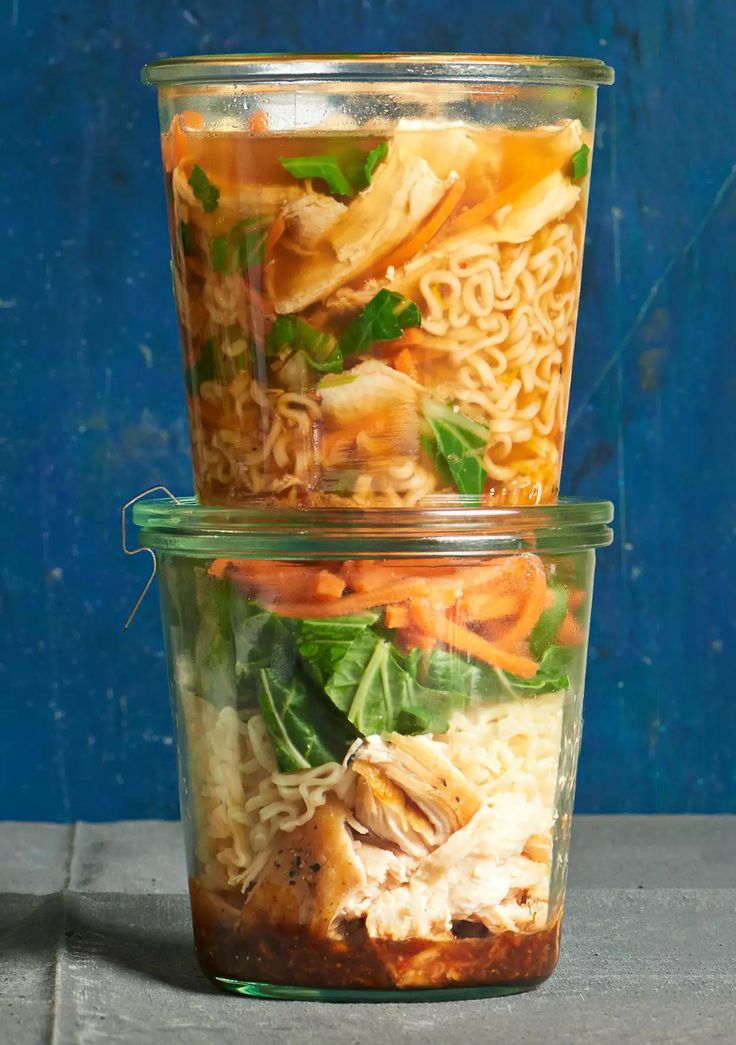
{"x": 95, "y": 949}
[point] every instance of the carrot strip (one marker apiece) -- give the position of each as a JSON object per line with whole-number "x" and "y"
{"x": 575, "y": 598}
{"x": 175, "y": 143}
{"x": 411, "y": 246}
{"x": 570, "y": 633}
{"x": 534, "y": 583}
{"x": 404, "y": 362}
{"x": 328, "y": 585}
{"x": 486, "y": 605}
{"x": 481, "y": 211}
{"x": 397, "y": 616}
{"x": 219, "y": 567}
{"x": 434, "y": 622}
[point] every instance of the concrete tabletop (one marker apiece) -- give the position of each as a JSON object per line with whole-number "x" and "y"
{"x": 95, "y": 948}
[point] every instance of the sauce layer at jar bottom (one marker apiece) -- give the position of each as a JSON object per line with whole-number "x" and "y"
{"x": 269, "y": 954}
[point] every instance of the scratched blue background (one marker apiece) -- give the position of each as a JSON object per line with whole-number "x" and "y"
{"x": 91, "y": 397}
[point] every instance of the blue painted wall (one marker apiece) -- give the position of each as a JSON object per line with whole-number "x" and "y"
{"x": 91, "y": 403}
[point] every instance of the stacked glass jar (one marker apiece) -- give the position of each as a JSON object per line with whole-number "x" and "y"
{"x": 376, "y": 611}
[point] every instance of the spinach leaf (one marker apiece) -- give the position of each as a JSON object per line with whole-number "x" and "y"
{"x": 447, "y": 671}
{"x": 214, "y": 650}
{"x": 461, "y": 443}
{"x": 326, "y": 167}
{"x": 304, "y": 728}
{"x": 207, "y": 193}
{"x": 580, "y": 162}
{"x": 262, "y": 640}
{"x": 321, "y": 350}
{"x": 344, "y": 176}
{"x": 550, "y": 677}
{"x": 323, "y": 643}
{"x": 241, "y": 248}
{"x": 369, "y": 685}
{"x": 546, "y": 628}
{"x": 374, "y": 157}
{"x": 386, "y": 316}
{"x": 379, "y": 691}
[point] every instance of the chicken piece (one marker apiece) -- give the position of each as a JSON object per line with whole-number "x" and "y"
{"x": 477, "y": 874}
{"x": 311, "y": 874}
{"x": 409, "y": 793}
{"x": 549, "y": 200}
{"x": 388, "y": 813}
{"x": 405, "y": 188}
{"x": 369, "y": 388}
{"x": 309, "y": 218}
{"x": 236, "y": 201}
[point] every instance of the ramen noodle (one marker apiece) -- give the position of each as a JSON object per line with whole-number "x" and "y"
{"x": 377, "y": 320}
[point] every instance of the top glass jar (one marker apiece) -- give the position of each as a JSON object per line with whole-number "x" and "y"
{"x": 376, "y": 265}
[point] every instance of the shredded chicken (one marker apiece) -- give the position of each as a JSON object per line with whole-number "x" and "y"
{"x": 310, "y": 218}
{"x": 405, "y": 189}
{"x": 368, "y": 388}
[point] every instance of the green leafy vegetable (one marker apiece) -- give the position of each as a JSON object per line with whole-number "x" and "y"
{"x": 369, "y": 686}
{"x": 580, "y": 162}
{"x": 321, "y": 350}
{"x": 379, "y": 691}
{"x": 385, "y": 317}
{"x": 345, "y": 176}
{"x": 304, "y": 728}
{"x": 214, "y": 650}
{"x": 550, "y": 677}
{"x": 241, "y": 248}
{"x": 546, "y": 628}
{"x": 262, "y": 640}
{"x": 460, "y": 442}
{"x": 324, "y": 643}
{"x": 205, "y": 369}
{"x": 326, "y": 167}
{"x": 374, "y": 157}
{"x": 207, "y": 193}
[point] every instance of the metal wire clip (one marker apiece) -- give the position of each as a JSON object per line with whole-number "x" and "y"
{"x": 136, "y": 551}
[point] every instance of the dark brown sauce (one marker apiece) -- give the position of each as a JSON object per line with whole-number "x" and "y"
{"x": 268, "y": 954}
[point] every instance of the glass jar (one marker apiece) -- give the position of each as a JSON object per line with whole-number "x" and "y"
{"x": 378, "y": 717}
{"x": 376, "y": 265}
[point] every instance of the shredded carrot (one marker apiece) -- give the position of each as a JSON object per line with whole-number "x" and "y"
{"x": 486, "y": 605}
{"x": 533, "y": 582}
{"x": 404, "y": 362}
{"x": 570, "y": 633}
{"x": 258, "y": 122}
{"x": 481, "y": 211}
{"x": 219, "y": 567}
{"x": 397, "y": 616}
{"x": 175, "y": 143}
{"x": 275, "y": 582}
{"x": 411, "y": 336}
{"x": 575, "y": 598}
{"x": 411, "y": 246}
{"x": 328, "y": 585}
{"x": 435, "y": 623}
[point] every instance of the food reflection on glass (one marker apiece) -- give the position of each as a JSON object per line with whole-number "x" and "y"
{"x": 381, "y": 761}
{"x": 376, "y": 320}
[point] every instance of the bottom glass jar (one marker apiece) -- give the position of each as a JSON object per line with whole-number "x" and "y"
{"x": 378, "y": 721}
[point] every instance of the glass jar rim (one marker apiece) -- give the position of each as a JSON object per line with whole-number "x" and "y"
{"x": 375, "y": 68}
{"x": 185, "y": 527}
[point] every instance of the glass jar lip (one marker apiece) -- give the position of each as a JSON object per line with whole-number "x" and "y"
{"x": 376, "y": 68}
{"x": 265, "y": 531}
